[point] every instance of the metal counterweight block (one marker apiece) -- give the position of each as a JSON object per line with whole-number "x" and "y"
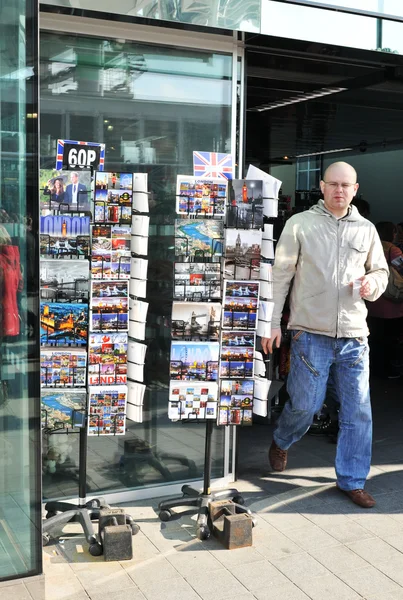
{"x": 117, "y": 542}
{"x": 232, "y": 529}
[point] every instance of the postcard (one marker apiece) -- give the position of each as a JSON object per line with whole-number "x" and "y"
{"x": 109, "y": 314}
{"x": 236, "y": 354}
{"x": 266, "y": 290}
{"x": 138, "y": 268}
{"x": 63, "y": 368}
{"x": 107, "y": 360}
{"x": 136, "y": 352}
{"x": 66, "y": 191}
{"x": 111, "y": 251}
{"x": 198, "y": 238}
{"x": 242, "y": 253}
{"x": 196, "y": 319}
{"x": 270, "y": 208}
{"x": 63, "y": 409}
{"x": 138, "y": 288}
{"x": 195, "y": 281}
{"x": 260, "y": 364}
{"x": 267, "y": 249}
{"x": 137, "y": 330}
{"x": 235, "y": 402}
{"x": 138, "y": 310}
{"x": 140, "y": 225}
{"x": 65, "y": 236}
{"x": 64, "y": 324}
{"x": 240, "y": 304}
{"x": 64, "y": 281}
{"x": 107, "y": 410}
{"x": 109, "y": 289}
{"x": 194, "y": 361}
{"x": 135, "y": 372}
{"x": 139, "y": 245}
{"x": 266, "y": 272}
{"x": 271, "y": 185}
{"x": 192, "y": 401}
{"x": 200, "y": 196}
{"x": 245, "y": 204}
{"x": 135, "y": 400}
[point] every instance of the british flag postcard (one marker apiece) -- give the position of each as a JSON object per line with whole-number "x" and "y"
{"x": 212, "y": 164}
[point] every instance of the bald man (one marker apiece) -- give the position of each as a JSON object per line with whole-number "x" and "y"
{"x": 333, "y": 258}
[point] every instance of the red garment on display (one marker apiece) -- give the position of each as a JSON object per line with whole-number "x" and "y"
{"x": 10, "y": 284}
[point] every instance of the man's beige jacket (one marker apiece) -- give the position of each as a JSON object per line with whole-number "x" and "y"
{"x": 319, "y": 255}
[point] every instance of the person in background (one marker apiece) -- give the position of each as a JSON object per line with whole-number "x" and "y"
{"x": 398, "y": 241}
{"x": 335, "y": 261}
{"x": 385, "y": 317}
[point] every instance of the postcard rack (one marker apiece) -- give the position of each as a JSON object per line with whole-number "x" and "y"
{"x": 59, "y": 513}
{"x": 78, "y": 378}
{"x": 235, "y": 219}
{"x": 216, "y": 248}
{"x": 201, "y": 499}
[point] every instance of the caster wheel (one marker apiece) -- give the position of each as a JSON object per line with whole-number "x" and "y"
{"x": 165, "y": 515}
{"x": 45, "y": 539}
{"x": 135, "y": 528}
{"x": 95, "y": 549}
{"x": 238, "y": 499}
{"x": 203, "y": 532}
{"x": 254, "y": 522}
{"x": 50, "y": 514}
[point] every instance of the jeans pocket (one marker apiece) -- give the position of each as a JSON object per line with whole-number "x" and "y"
{"x": 359, "y": 358}
{"x": 296, "y": 334}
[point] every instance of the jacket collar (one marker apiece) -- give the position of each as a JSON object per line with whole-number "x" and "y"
{"x": 352, "y": 214}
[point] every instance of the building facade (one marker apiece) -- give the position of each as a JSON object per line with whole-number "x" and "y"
{"x": 153, "y": 81}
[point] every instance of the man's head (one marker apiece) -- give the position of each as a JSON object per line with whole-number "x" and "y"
{"x": 339, "y": 186}
{"x": 74, "y": 177}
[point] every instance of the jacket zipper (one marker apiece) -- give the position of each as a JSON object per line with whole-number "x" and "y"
{"x": 310, "y": 367}
{"x": 338, "y": 278}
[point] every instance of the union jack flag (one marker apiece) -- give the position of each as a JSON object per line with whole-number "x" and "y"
{"x": 212, "y": 164}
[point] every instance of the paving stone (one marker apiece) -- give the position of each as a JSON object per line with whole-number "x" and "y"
{"x": 156, "y": 569}
{"x": 258, "y": 575}
{"x": 380, "y": 525}
{"x": 60, "y": 589}
{"x": 395, "y": 540}
{"x": 375, "y": 551}
{"x": 173, "y": 589}
{"x": 339, "y": 559}
{"x": 299, "y": 566}
{"x": 369, "y": 581}
{"x": 329, "y": 587}
{"x": 350, "y": 532}
{"x": 16, "y": 592}
{"x": 393, "y": 569}
{"x": 277, "y": 545}
{"x": 127, "y": 594}
{"x": 285, "y": 520}
{"x": 286, "y": 591}
{"x": 105, "y": 582}
{"x": 189, "y": 561}
{"x": 311, "y": 536}
{"x": 221, "y": 586}
{"x": 240, "y": 556}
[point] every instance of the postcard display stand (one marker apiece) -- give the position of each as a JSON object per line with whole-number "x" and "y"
{"x": 87, "y": 260}
{"x": 218, "y": 240}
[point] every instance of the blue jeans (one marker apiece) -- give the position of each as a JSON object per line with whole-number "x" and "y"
{"x": 312, "y": 357}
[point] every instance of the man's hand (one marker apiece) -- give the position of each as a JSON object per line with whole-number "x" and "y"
{"x": 368, "y": 286}
{"x": 268, "y": 343}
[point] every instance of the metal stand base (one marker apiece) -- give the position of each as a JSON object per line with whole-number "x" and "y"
{"x": 58, "y": 514}
{"x": 200, "y": 501}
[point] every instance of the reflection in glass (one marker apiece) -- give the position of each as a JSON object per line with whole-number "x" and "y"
{"x": 227, "y": 14}
{"x": 152, "y": 106}
{"x": 20, "y": 512}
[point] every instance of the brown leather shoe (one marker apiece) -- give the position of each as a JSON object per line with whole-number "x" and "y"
{"x": 277, "y": 457}
{"x": 360, "y": 497}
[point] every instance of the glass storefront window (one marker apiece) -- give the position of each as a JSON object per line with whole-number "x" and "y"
{"x": 151, "y": 106}
{"x": 393, "y": 8}
{"x": 20, "y": 493}
{"x": 227, "y": 14}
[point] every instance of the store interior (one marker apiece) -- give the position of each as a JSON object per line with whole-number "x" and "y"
{"x": 309, "y": 105}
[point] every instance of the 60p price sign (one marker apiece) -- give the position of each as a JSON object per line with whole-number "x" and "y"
{"x": 74, "y": 155}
